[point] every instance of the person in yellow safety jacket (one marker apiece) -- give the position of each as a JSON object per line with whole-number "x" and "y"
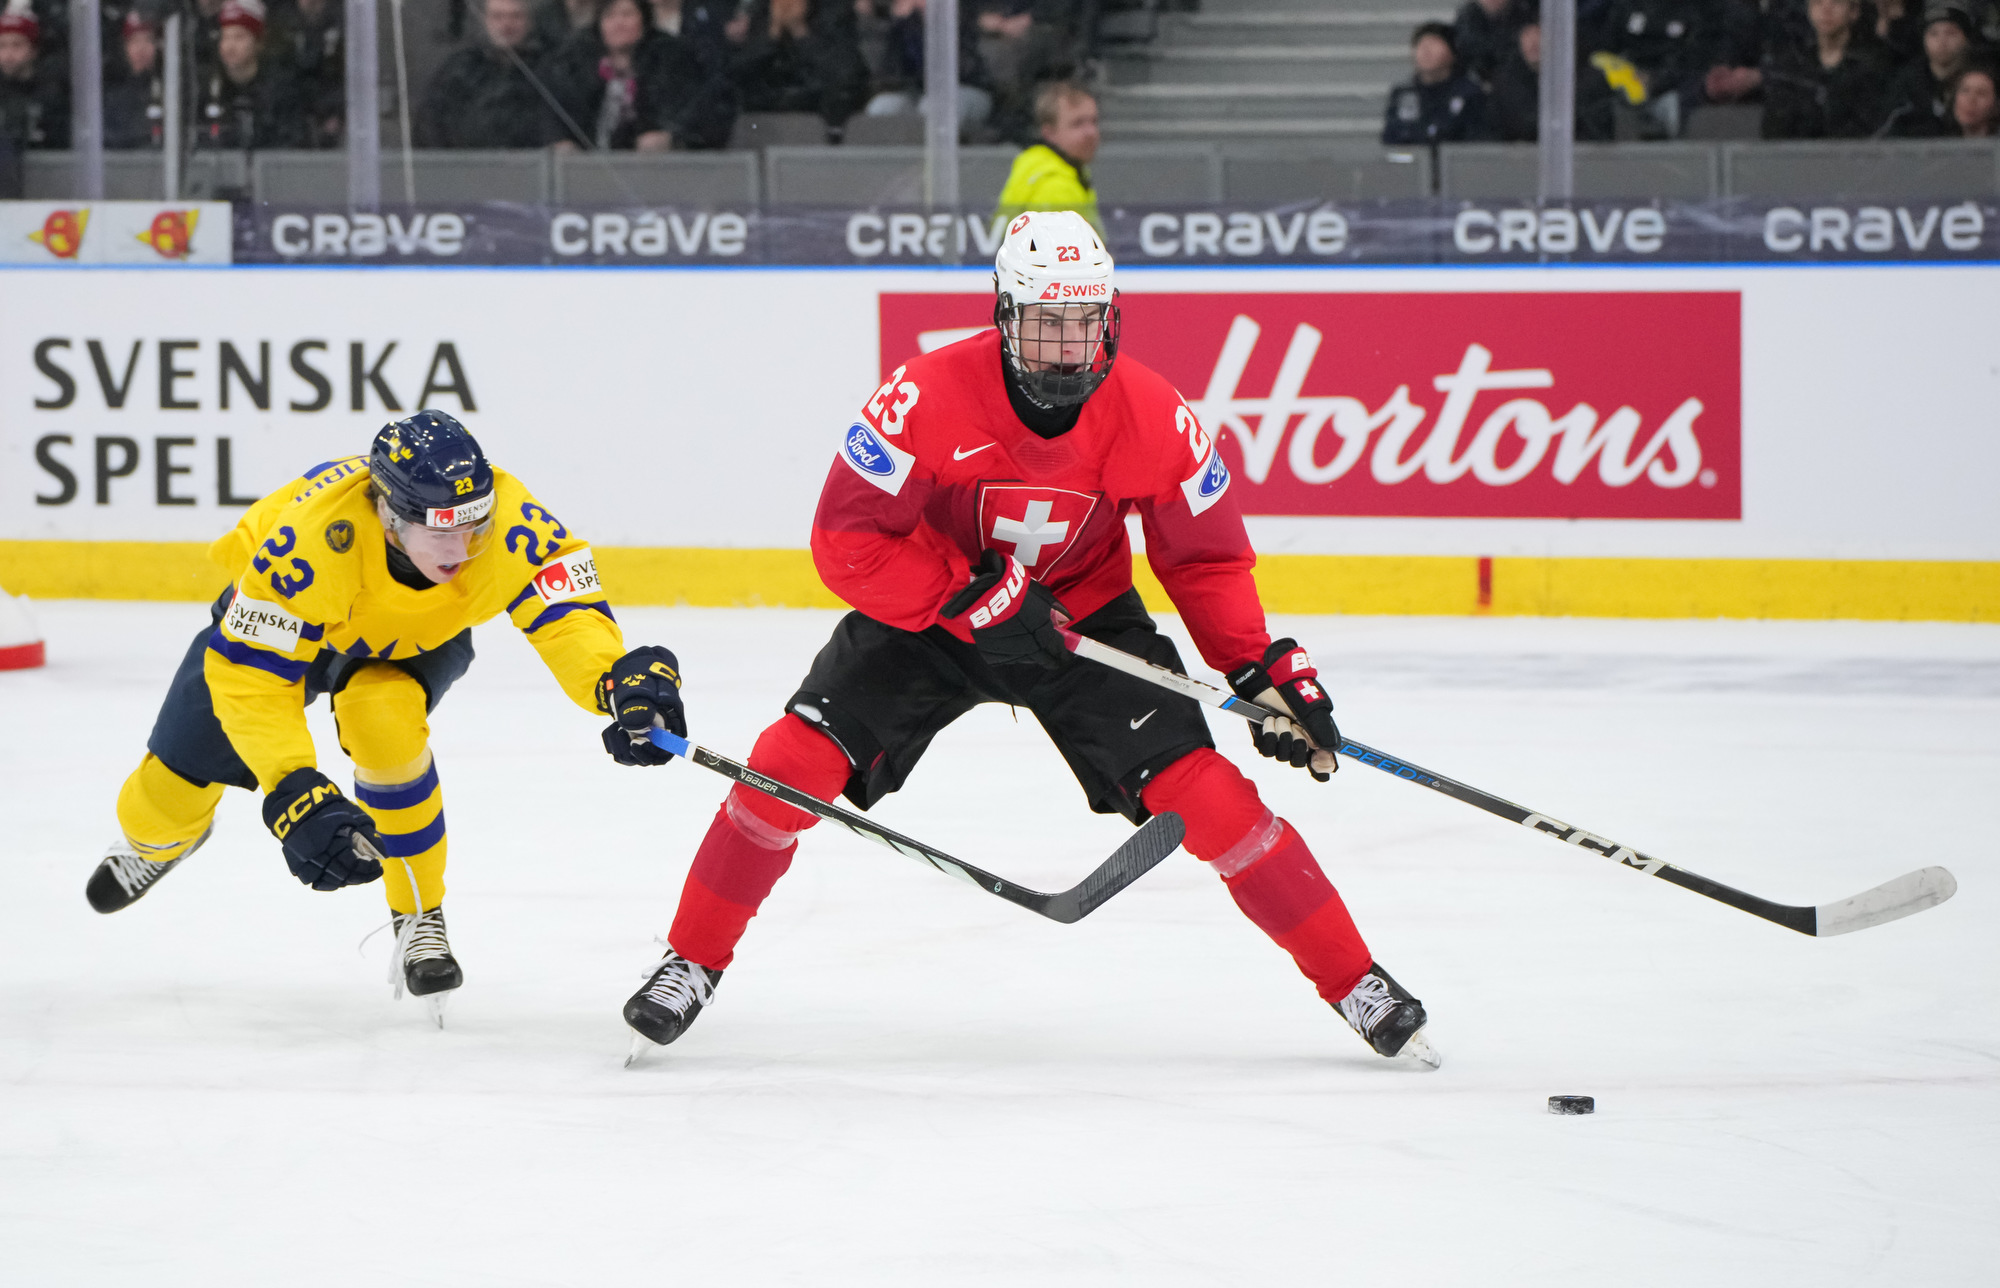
{"x": 362, "y": 579}
{"x": 1054, "y": 174}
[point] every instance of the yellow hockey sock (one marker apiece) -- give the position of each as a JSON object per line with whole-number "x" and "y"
{"x": 381, "y": 713}
{"x": 163, "y": 814}
{"x": 410, "y": 816}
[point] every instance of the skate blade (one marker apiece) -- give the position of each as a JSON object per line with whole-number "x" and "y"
{"x": 640, "y": 1045}
{"x": 1418, "y": 1052}
{"x": 434, "y": 1004}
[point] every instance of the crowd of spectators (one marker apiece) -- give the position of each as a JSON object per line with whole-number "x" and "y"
{"x": 1815, "y": 69}
{"x": 644, "y": 75}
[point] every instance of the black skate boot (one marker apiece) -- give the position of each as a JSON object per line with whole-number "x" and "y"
{"x": 429, "y": 969}
{"x": 126, "y": 873}
{"x": 674, "y": 994}
{"x": 1388, "y": 1018}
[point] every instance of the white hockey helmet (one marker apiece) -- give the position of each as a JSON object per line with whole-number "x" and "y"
{"x": 1056, "y": 306}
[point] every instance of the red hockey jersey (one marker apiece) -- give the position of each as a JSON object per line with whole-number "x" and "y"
{"x": 938, "y": 468}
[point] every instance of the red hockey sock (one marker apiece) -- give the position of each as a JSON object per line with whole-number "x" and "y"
{"x": 1265, "y": 864}
{"x": 751, "y": 842}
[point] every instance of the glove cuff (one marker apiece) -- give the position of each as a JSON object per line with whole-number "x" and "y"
{"x": 1285, "y": 661}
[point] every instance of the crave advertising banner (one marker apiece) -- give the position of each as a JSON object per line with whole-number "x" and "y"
{"x": 1806, "y": 412}
{"x": 1299, "y": 234}
{"x": 1496, "y": 404}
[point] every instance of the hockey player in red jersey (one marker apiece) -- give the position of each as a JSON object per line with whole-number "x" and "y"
{"x": 979, "y": 499}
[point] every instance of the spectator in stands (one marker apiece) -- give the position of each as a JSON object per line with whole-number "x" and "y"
{"x": 481, "y": 96}
{"x": 1898, "y": 26}
{"x": 1974, "y": 107}
{"x": 900, "y": 88}
{"x": 207, "y": 33}
{"x": 135, "y": 101}
{"x": 34, "y": 96}
{"x": 307, "y": 37}
{"x": 1437, "y": 104}
{"x": 1514, "y": 102}
{"x": 1919, "y": 97}
{"x": 1656, "y": 53}
{"x": 799, "y": 56}
{"x": 1023, "y": 42}
{"x": 1750, "y": 35}
{"x": 1833, "y": 92}
{"x": 619, "y": 82}
{"x": 1054, "y": 174}
{"x": 557, "y": 20}
{"x": 1487, "y": 33}
{"x": 247, "y": 101}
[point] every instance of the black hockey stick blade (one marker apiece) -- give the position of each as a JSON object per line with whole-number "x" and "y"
{"x": 1140, "y": 854}
{"x": 1892, "y": 900}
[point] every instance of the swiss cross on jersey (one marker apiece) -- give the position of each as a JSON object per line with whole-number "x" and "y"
{"x": 1037, "y": 525}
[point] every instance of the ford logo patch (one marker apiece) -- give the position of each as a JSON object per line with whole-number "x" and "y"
{"x": 1216, "y": 476}
{"x": 866, "y": 450}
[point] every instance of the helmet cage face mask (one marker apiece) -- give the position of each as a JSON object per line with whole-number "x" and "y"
{"x": 1059, "y": 354}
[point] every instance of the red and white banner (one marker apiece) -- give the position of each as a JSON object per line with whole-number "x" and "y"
{"x": 1550, "y": 405}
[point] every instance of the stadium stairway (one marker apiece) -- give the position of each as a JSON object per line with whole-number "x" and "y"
{"x": 1265, "y": 71}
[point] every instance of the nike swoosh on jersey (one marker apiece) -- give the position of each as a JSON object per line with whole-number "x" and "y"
{"x": 958, "y": 454}
{"x": 1143, "y": 719}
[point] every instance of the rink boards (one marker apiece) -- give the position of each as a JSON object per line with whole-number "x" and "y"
{"x": 1758, "y": 442}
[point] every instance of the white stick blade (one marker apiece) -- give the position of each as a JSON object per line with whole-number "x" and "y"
{"x": 1908, "y": 894}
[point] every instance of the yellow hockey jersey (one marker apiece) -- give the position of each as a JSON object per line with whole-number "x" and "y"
{"x": 312, "y": 574}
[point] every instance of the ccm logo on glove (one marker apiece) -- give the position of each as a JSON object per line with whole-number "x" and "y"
{"x": 642, "y": 692}
{"x": 321, "y": 831}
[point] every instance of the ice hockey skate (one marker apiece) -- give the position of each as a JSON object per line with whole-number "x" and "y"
{"x": 674, "y": 994}
{"x": 429, "y": 970}
{"x": 125, "y": 874}
{"x": 1389, "y": 1019}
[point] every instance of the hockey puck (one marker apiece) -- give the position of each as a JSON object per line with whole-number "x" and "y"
{"x": 1572, "y": 1105}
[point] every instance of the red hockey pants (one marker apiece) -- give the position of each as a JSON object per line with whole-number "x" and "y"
{"x": 1264, "y": 863}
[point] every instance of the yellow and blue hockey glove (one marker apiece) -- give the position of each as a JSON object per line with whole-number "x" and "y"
{"x": 641, "y": 691}
{"x": 318, "y": 828}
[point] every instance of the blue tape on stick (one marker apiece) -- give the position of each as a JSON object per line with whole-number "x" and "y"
{"x": 670, "y": 742}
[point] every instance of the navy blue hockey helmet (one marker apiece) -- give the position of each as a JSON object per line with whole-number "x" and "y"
{"x": 430, "y": 472}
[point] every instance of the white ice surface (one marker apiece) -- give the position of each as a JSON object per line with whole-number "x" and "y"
{"x": 904, "y": 1082}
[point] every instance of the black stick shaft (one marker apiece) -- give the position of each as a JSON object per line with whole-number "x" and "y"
{"x": 1803, "y": 919}
{"x": 1140, "y": 853}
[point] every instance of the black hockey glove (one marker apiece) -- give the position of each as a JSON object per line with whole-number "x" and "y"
{"x": 1287, "y": 681}
{"x": 642, "y": 691}
{"x": 320, "y": 829}
{"x": 1012, "y": 619}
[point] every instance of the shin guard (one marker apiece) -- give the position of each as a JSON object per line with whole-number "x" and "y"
{"x": 384, "y": 727}
{"x": 163, "y": 814}
{"x": 410, "y": 817}
{"x": 1266, "y": 866}
{"x": 751, "y": 842}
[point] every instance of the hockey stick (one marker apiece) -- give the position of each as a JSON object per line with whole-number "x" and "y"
{"x": 1140, "y": 854}
{"x": 1910, "y": 893}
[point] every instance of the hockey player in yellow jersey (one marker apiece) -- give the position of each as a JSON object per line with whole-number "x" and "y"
{"x": 362, "y": 579}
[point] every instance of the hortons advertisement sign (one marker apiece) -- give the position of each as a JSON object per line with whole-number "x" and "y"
{"x": 1546, "y": 405}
